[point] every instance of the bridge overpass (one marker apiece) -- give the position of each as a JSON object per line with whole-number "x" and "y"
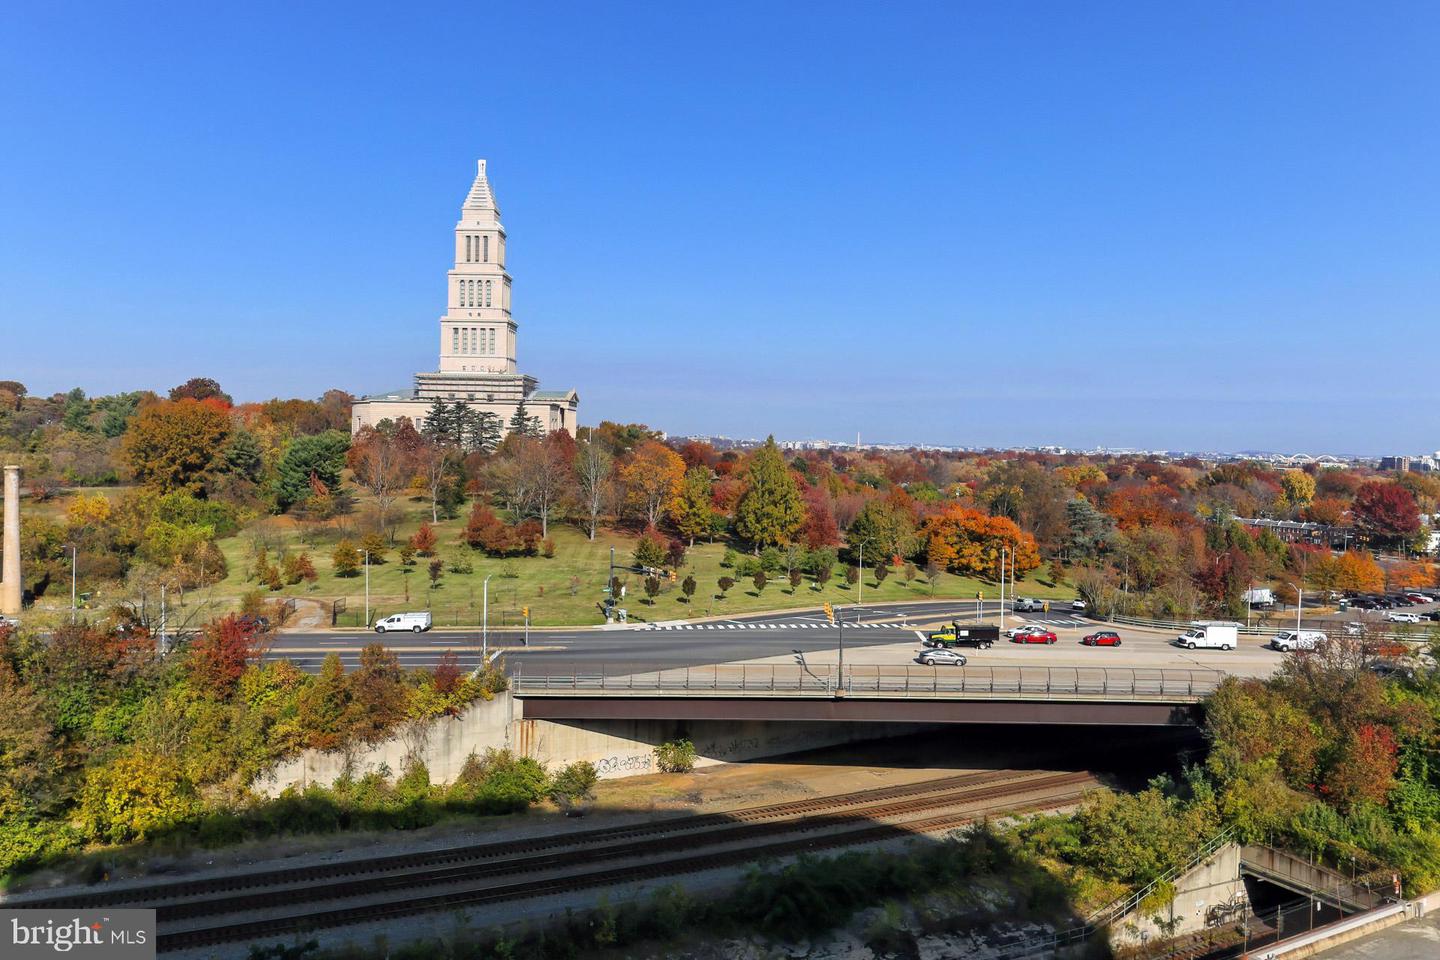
{"x": 867, "y": 693}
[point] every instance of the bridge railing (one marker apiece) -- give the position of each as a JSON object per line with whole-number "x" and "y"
{"x": 883, "y": 682}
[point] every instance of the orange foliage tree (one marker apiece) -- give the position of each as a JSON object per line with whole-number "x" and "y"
{"x": 969, "y": 542}
{"x": 652, "y": 479}
{"x": 1359, "y": 572}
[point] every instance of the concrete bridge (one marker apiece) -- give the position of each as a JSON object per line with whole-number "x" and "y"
{"x": 1125, "y": 696}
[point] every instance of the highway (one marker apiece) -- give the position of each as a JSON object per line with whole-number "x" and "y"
{"x": 873, "y": 635}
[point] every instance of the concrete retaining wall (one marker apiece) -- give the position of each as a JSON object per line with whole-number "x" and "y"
{"x": 1206, "y": 887}
{"x": 618, "y": 748}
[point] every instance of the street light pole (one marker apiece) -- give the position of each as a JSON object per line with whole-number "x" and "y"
{"x": 73, "y": 561}
{"x": 367, "y": 588}
{"x": 485, "y": 621}
{"x": 860, "y": 584}
{"x": 1004, "y": 552}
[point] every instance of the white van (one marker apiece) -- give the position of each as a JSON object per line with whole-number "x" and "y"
{"x": 416, "y": 622}
{"x": 1213, "y": 636}
{"x": 1287, "y": 640}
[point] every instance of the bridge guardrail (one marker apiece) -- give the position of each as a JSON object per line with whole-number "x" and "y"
{"x": 876, "y": 682}
{"x": 1376, "y": 631}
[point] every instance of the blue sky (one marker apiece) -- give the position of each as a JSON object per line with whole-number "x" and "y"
{"x": 1184, "y": 225}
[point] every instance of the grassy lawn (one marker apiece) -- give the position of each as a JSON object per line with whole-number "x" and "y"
{"x": 565, "y": 589}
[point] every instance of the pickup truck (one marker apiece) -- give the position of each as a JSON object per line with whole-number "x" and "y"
{"x": 978, "y": 635}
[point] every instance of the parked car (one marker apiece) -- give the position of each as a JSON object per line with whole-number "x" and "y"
{"x": 416, "y": 622}
{"x": 1102, "y": 638}
{"x": 1397, "y": 616}
{"x": 1354, "y": 629}
{"x": 1287, "y": 640}
{"x": 1213, "y": 636}
{"x": 256, "y": 622}
{"x": 940, "y": 658}
{"x": 1078, "y": 605}
{"x": 1028, "y": 605}
{"x": 1014, "y": 632}
{"x": 1420, "y": 598}
{"x": 1034, "y": 635}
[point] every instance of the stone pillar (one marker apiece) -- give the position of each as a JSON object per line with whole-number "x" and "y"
{"x": 10, "y": 591}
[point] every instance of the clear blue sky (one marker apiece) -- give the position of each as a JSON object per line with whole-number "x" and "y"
{"x": 1197, "y": 225}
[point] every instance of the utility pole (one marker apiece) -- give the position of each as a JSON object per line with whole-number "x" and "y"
{"x": 367, "y": 588}
{"x": 1004, "y": 552}
{"x": 485, "y": 622}
{"x": 73, "y": 562}
{"x": 164, "y": 644}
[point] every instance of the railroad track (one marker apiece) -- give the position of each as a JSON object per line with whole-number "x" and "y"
{"x": 157, "y": 894}
{"x": 473, "y": 876}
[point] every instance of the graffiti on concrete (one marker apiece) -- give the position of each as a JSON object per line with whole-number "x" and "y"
{"x": 631, "y": 763}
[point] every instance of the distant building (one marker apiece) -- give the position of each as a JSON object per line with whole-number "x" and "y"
{"x": 1398, "y": 464}
{"x": 477, "y": 337}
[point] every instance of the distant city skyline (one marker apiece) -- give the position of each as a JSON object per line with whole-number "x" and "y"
{"x": 1177, "y": 227}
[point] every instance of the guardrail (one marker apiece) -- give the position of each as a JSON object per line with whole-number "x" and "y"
{"x": 1374, "y": 631}
{"x": 882, "y": 682}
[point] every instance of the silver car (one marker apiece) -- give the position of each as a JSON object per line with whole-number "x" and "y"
{"x": 940, "y": 658}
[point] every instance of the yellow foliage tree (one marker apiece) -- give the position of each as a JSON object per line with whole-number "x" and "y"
{"x": 88, "y": 510}
{"x": 1359, "y": 572}
{"x": 652, "y": 479}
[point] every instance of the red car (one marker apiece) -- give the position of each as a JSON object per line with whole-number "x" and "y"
{"x": 1034, "y": 635}
{"x": 1102, "y": 638}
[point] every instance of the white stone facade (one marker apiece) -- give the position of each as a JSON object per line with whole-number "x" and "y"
{"x": 477, "y": 336}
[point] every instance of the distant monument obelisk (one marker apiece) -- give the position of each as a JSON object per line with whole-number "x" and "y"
{"x": 10, "y": 591}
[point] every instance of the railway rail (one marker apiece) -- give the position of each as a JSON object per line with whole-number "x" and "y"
{"x": 404, "y": 885}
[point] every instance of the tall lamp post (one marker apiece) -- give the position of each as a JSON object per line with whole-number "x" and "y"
{"x": 860, "y": 584}
{"x": 1004, "y": 554}
{"x": 485, "y": 621}
{"x": 367, "y": 588}
{"x": 1299, "y": 604}
{"x": 74, "y": 555}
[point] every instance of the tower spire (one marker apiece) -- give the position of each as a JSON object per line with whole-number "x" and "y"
{"x": 480, "y": 196}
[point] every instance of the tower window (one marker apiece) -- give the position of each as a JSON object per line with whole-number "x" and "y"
{"x": 488, "y": 284}
{"x": 467, "y": 249}
{"x": 485, "y": 247}
{"x": 454, "y": 339}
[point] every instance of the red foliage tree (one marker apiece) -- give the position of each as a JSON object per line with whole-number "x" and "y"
{"x": 1364, "y": 771}
{"x": 820, "y": 528}
{"x": 447, "y": 673}
{"x": 1386, "y": 510}
{"x": 218, "y": 656}
{"x": 424, "y": 539}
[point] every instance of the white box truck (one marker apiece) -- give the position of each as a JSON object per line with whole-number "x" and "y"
{"x": 1259, "y": 597}
{"x": 1211, "y": 636}
{"x": 415, "y": 622}
{"x": 1287, "y": 640}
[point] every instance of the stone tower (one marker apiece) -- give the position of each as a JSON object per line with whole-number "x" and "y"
{"x": 10, "y": 584}
{"x": 477, "y": 333}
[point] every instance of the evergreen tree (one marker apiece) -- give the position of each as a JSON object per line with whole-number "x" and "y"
{"x": 243, "y": 457}
{"x": 692, "y": 509}
{"x": 321, "y": 456}
{"x": 482, "y": 431}
{"x": 521, "y": 422}
{"x": 771, "y": 511}
{"x": 440, "y": 422}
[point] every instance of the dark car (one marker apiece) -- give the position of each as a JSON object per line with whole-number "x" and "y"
{"x": 1102, "y": 638}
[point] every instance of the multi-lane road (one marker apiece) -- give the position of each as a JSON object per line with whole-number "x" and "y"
{"x": 887, "y": 634}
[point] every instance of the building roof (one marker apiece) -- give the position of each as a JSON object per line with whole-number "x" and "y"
{"x": 553, "y": 395}
{"x": 480, "y": 196}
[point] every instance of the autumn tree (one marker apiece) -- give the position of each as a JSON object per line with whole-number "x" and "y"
{"x": 691, "y": 510}
{"x": 887, "y": 527}
{"x": 218, "y": 656}
{"x": 593, "y": 467}
{"x": 687, "y": 587}
{"x": 968, "y": 542}
{"x": 378, "y": 695}
{"x": 379, "y": 462}
{"x": 771, "y": 511}
{"x": 820, "y": 528}
{"x": 323, "y": 708}
{"x": 1359, "y": 573}
{"x": 345, "y": 560}
{"x": 177, "y": 445}
{"x": 1299, "y": 487}
{"x": 201, "y": 388}
{"x": 1386, "y": 510}
{"x": 652, "y": 479}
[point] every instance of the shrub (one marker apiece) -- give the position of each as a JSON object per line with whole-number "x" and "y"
{"x": 134, "y": 796}
{"x": 375, "y": 545}
{"x": 675, "y": 756}
{"x": 728, "y": 560}
{"x": 460, "y": 565}
{"x": 572, "y": 784}
{"x": 345, "y": 559}
{"x": 771, "y": 560}
{"x": 547, "y": 548}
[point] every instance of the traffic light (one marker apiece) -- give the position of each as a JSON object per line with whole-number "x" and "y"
{"x": 829, "y": 612}
{"x": 525, "y": 612}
